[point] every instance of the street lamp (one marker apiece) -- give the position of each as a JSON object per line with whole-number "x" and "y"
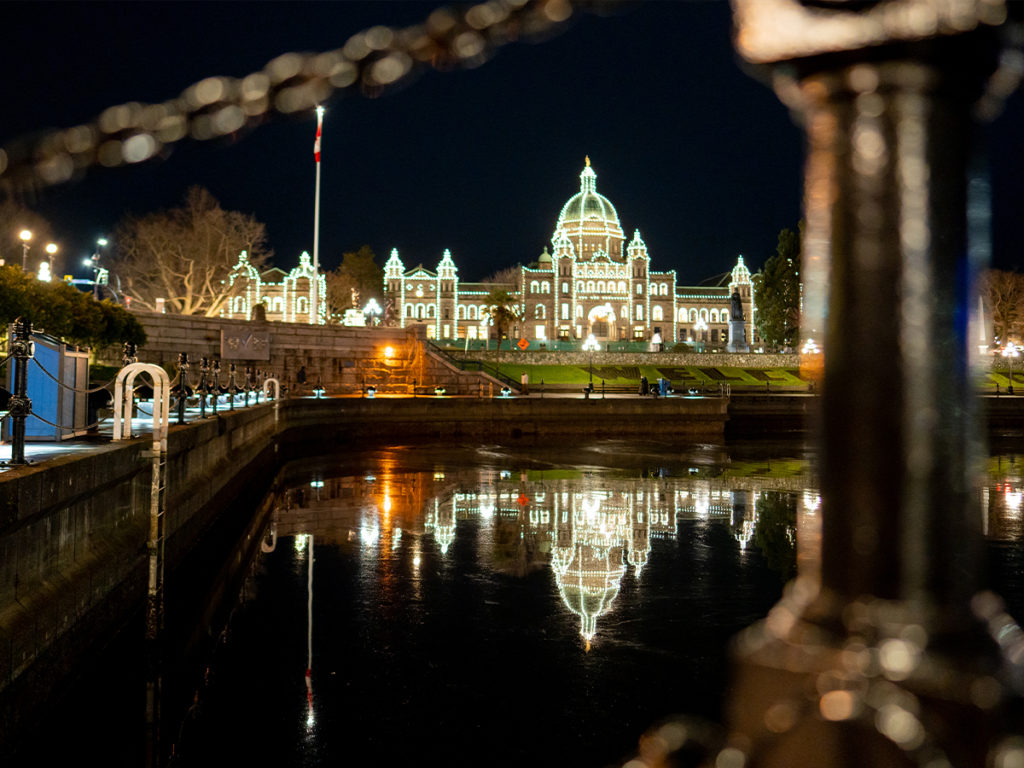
{"x": 51, "y": 250}
{"x": 1010, "y": 351}
{"x": 95, "y": 262}
{"x": 372, "y": 311}
{"x": 698, "y": 327}
{"x": 591, "y": 346}
{"x": 25, "y": 236}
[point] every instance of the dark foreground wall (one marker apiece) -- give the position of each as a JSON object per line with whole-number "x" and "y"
{"x": 73, "y": 533}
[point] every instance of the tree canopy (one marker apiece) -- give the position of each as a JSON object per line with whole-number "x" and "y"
{"x": 63, "y": 311}
{"x": 777, "y": 293}
{"x": 504, "y": 311}
{"x": 184, "y": 255}
{"x": 358, "y": 278}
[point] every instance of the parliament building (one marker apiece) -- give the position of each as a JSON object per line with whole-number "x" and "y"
{"x": 590, "y": 282}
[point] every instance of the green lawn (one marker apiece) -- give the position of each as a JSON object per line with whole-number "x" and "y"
{"x": 565, "y": 376}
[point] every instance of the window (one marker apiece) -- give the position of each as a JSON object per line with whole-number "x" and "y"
{"x": 579, "y": 311}
{"x": 693, "y": 315}
{"x": 579, "y": 286}
{"x": 565, "y": 311}
{"x": 639, "y": 289}
{"x": 545, "y": 287}
{"x": 408, "y": 310}
{"x": 565, "y": 287}
{"x": 639, "y": 311}
{"x": 714, "y": 315}
{"x": 714, "y": 335}
{"x": 590, "y": 286}
{"x": 461, "y": 313}
{"x": 725, "y": 315}
{"x": 600, "y": 286}
{"x": 664, "y": 289}
{"x": 301, "y": 305}
{"x": 538, "y": 312}
{"x": 622, "y": 286}
{"x": 656, "y": 312}
{"x": 540, "y": 332}
{"x": 534, "y": 288}
{"x": 704, "y": 315}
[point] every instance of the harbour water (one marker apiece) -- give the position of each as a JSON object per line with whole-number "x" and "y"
{"x": 474, "y": 604}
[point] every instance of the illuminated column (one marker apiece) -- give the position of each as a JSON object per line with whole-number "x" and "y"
{"x": 885, "y": 91}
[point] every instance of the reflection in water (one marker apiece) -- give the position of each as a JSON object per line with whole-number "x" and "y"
{"x": 589, "y": 528}
{"x": 430, "y": 566}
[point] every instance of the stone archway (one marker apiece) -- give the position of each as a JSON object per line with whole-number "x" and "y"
{"x": 601, "y": 322}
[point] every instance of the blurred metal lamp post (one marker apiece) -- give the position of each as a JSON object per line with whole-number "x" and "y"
{"x": 1010, "y": 351}
{"x": 95, "y": 261}
{"x": 885, "y": 650}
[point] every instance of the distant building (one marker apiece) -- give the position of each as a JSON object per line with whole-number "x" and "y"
{"x": 590, "y": 281}
{"x": 286, "y": 296}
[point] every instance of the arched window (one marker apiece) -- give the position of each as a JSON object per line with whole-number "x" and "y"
{"x": 408, "y": 310}
{"x": 301, "y": 305}
{"x": 579, "y": 286}
{"x": 624, "y": 314}
{"x": 534, "y": 288}
{"x": 600, "y": 286}
{"x": 656, "y": 312}
{"x": 579, "y": 311}
{"x": 681, "y": 315}
{"x": 693, "y": 315}
{"x": 277, "y": 305}
{"x": 714, "y": 315}
{"x": 639, "y": 311}
{"x": 725, "y": 315}
{"x": 538, "y": 312}
{"x": 590, "y": 286}
{"x": 664, "y": 289}
{"x": 460, "y": 313}
{"x": 420, "y": 312}
{"x": 545, "y": 287}
{"x": 239, "y": 307}
{"x": 565, "y": 287}
{"x": 622, "y": 286}
{"x": 430, "y": 310}
{"x": 704, "y": 314}
{"x": 483, "y": 311}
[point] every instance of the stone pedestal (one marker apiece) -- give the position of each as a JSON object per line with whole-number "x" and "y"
{"x": 737, "y": 337}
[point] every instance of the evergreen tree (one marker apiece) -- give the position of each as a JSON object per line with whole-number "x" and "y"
{"x": 777, "y": 293}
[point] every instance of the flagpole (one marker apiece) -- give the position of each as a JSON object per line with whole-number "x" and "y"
{"x": 314, "y": 313}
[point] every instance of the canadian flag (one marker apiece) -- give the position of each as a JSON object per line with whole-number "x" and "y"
{"x": 319, "y": 126}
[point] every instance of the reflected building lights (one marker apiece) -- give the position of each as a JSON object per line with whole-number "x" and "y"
{"x": 589, "y": 531}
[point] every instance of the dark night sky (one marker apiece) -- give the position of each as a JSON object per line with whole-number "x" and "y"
{"x": 695, "y": 153}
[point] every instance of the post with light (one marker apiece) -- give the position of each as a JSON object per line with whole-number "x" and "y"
{"x": 314, "y": 313}
{"x": 591, "y": 346}
{"x": 1010, "y": 351}
{"x": 94, "y": 262}
{"x": 26, "y": 236}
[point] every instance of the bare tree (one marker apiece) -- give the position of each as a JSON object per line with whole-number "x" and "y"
{"x": 508, "y": 276}
{"x": 184, "y": 255}
{"x": 1003, "y": 293}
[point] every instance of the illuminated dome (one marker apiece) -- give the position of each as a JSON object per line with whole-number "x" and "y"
{"x": 590, "y": 220}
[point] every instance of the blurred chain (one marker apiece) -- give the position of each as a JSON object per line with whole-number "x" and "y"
{"x": 372, "y": 61}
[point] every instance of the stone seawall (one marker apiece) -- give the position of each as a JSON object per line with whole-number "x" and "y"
{"x": 342, "y": 421}
{"x": 73, "y": 536}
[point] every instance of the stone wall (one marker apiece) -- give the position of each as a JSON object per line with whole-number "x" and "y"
{"x": 343, "y": 359}
{"x": 716, "y": 359}
{"x": 73, "y": 533}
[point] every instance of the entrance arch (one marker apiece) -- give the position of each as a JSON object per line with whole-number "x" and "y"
{"x": 601, "y": 322}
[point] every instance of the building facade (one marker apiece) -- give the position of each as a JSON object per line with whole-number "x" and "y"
{"x": 591, "y": 282}
{"x": 286, "y": 296}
